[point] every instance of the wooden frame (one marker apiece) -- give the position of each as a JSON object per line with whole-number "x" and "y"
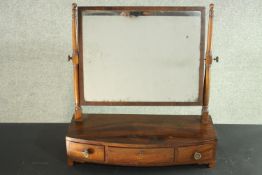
{"x": 147, "y": 10}
{"x": 208, "y": 62}
{"x": 78, "y": 63}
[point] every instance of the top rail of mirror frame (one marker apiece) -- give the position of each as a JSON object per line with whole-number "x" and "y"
{"x": 144, "y": 8}
{"x": 143, "y": 11}
{"x": 151, "y": 9}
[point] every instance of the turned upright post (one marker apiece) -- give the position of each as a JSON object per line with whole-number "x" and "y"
{"x": 208, "y": 62}
{"x": 75, "y": 60}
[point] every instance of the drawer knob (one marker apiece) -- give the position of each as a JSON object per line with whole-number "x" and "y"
{"x": 87, "y": 152}
{"x": 197, "y": 156}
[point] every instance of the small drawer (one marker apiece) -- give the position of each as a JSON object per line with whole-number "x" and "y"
{"x": 194, "y": 154}
{"x": 138, "y": 156}
{"x": 85, "y": 152}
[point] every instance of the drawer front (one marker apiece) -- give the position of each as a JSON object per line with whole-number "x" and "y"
{"x": 194, "y": 154}
{"x": 85, "y": 152}
{"x": 137, "y": 156}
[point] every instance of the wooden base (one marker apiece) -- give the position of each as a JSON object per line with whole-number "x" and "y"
{"x": 141, "y": 140}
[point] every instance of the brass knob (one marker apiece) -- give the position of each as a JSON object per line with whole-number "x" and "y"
{"x": 197, "y": 156}
{"x": 216, "y": 59}
{"x": 87, "y": 152}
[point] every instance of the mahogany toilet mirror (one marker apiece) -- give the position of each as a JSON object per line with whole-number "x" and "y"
{"x": 141, "y": 56}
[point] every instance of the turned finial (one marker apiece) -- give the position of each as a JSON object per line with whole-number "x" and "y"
{"x": 211, "y": 9}
{"x": 74, "y": 6}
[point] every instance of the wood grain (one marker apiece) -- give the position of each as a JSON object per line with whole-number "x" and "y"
{"x": 208, "y": 62}
{"x": 186, "y": 154}
{"x": 137, "y": 156}
{"x": 75, "y": 60}
{"x": 136, "y": 129}
{"x": 76, "y": 152}
{"x": 148, "y": 140}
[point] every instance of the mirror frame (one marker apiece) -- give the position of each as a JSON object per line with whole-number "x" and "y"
{"x": 150, "y": 9}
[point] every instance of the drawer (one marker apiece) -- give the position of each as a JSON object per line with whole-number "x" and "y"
{"x": 194, "y": 154}
{"x": 138, "y": 156}
{"x": 85, "y": 152}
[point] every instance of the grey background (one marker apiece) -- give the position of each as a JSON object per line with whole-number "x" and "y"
{"x": 36, "y": 80}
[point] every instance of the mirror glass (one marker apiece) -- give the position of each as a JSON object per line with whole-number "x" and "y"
{"x": 148, "y": 58}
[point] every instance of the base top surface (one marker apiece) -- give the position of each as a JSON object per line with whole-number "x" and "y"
{"x": 136, "y": 130}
